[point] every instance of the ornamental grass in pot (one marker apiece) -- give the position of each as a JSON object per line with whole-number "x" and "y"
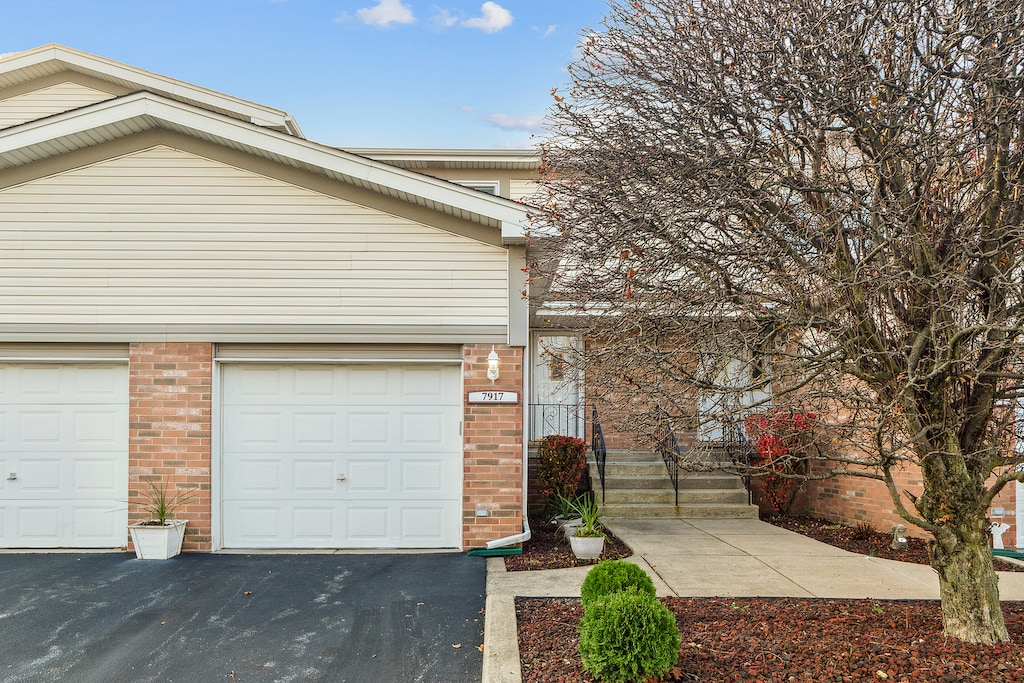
{"x": 160, "y": 537}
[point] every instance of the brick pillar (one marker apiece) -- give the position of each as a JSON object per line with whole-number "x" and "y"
{"x": 170, "y": 391}
{"x": 492, "y": 449}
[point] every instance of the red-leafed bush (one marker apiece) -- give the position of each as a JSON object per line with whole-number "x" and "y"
{"x": 560, "y": 464}
{"x": 780, "y": 440}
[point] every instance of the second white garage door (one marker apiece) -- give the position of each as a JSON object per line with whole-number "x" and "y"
{"x": 341, "y": 456}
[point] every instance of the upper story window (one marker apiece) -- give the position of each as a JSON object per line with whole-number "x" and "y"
{"x": 488, "y": 186}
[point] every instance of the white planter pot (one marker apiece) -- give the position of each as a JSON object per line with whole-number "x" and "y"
{"x": 587, "y": 547}
{"x": 154, "y": 542}
{"x": 568, "y": 527}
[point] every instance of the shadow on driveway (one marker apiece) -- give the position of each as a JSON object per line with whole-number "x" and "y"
{"x": 248, "y": 618}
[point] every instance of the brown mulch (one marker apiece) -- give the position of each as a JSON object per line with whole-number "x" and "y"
{"x": 787, "y": 639}
{"x": 780, "y": 639}
{"x": 866, "y": 541}
{"x": 547, "y": 549}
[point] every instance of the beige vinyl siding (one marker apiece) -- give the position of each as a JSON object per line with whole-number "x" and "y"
{"x": 47, "y": 101}
{"x": 164, "y": 236}
{"x": 524, "y": 191}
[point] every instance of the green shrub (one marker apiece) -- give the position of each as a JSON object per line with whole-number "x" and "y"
{"x": 628, "y": 637}
{"x": 612, "y": 576}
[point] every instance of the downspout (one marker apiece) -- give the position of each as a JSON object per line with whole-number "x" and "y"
{"x": 525, "y": 535}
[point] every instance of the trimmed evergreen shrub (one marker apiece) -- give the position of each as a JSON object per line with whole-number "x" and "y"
{"x": 612, "y": 576}
{"x": 628, "y": 637}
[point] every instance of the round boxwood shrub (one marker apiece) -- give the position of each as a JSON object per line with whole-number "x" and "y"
{"x": 628, "y": 637}
{"x": 612, "y": 576}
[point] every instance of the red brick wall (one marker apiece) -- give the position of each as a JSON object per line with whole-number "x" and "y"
{"x": 854, "y": 499}
{"x": 169, "y": 411}
{"x": 493, "y": 449}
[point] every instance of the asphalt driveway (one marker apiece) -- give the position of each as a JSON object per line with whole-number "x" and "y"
{"x": 108, "y": 617}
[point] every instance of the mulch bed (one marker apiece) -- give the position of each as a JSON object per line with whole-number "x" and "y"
{"x": 866, "y": 541}
{"x": 547, "y": 549}
{"x": 786, "y": 639}
{"x": 779, "y": 639}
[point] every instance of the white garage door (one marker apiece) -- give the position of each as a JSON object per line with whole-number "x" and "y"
{"x": 342, "y": 456}
{"x": 63, "y": 455}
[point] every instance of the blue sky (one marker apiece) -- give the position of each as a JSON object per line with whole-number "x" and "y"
{"x": 354, "y": 73}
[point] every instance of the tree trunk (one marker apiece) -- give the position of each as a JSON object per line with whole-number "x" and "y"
{"x": 968, "y": 584}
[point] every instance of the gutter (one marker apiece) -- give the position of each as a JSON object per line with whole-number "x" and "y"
{"x": 526, "y": 534}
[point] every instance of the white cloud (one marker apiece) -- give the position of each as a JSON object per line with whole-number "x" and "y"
{"x": 386, "y": 12}
{"x": 545, "y": 32}
{"x": 493, "y": 17}
{"x": 443, "y": 19}
{"x": 513, "y": 122}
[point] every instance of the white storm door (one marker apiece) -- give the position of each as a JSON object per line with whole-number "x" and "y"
{"x": 556, "y": 407}
{"x": 342, "y": 456}
{"x": 63, "y": 455}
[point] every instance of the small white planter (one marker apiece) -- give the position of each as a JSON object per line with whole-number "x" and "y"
{"x": 155, "y": 542}
{"x": 587, "y": 547}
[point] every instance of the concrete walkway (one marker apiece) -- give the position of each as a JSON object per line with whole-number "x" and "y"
{"x": 713, "y": 557}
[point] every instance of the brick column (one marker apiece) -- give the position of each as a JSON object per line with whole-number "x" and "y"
{"x": 169, "y": 444}
{"x": 492, "y": 449}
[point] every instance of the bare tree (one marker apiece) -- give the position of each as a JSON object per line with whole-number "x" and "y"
{"x": 817, "y": 205}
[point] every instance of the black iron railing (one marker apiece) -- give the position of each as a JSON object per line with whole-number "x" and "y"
{"x": 670, "y": 453}
{"x": 598, "y": 447}
{"x": 565, "y": 419}
{"x": 740, "y": 454}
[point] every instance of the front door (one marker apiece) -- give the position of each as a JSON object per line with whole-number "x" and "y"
{"x": 556, "y": 407}
{"x": 722, "y": 412}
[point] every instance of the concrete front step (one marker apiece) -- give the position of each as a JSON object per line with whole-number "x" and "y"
{"x": 703, "y": 511}
{"x": 667, "y": 496}
{"x": 618, "y": 480}
{"x": 637, "y": 485}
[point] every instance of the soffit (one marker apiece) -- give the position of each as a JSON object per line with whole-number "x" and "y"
{"x": 471, "y": 159}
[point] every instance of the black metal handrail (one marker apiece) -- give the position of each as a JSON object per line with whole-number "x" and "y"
{"x": 670, "y": 453}
{"x": 598, "y": 447}
{"x": 741, "y": 453}
{"x": 566, "y": 419}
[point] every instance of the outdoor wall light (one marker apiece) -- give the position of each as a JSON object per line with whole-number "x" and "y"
{"x": 492, "y": 365}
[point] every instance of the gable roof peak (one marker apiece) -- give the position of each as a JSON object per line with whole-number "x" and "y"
{"x": 53, "y": 58}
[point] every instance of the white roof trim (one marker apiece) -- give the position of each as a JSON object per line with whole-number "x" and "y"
{"x": 65, "y": 58}
{"x": 137, "y": 112}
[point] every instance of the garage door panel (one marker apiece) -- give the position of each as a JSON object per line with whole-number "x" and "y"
{"x": 95, "y": 477}
{"x": 313, "y": 477}
{"x": 64, "y": 439}
{"x": 70, "y": 428}
{"x": 41, "y": 382}
{"x": 98, "y": 429}
{"x": 367, "y": 428}
{"x": 263, "y": 524}
{"x": 94, "y": 384}
{"x": 315, "y": 525}
{"x": 319, "y": 428}
{"x": 369, "y": 477}
{"x": 391, "y": 431}
{"x": 96, "y": 525}
{"x": 40, "y": 428}
{"x": 42, "y": 476}
{"x": 39, "y": 525}
{"x": 313, "y": 383}
{"x": 254, "y": 476}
